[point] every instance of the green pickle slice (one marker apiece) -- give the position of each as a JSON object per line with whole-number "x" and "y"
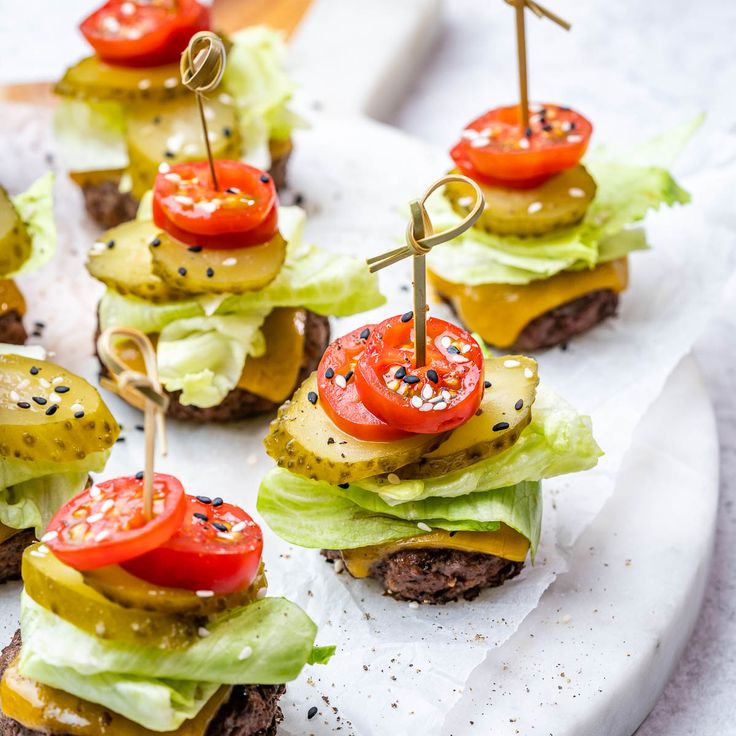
{"x": 15, "y": 243}
{"x": 559, "y": 202}
{"x": 505, "y": 412}
{"x": 121, "y": 259}
{"x": 49, "y": 414}
{"x": 215, "y": 271}
{"x": 172, "y": 132}
{"x": 304, "y": 440}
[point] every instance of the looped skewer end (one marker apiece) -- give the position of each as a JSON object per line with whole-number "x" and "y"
{"x": 203, "y": 62}
{"x": 142, "y": 390}
{"x": 541, "y": 12}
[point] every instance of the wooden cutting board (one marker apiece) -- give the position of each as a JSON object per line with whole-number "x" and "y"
{"x": 228, "y": 16}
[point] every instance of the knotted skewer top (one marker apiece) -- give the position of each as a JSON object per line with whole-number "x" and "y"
{"x": 541, "y": 12}
{"x": 203, "y": 62}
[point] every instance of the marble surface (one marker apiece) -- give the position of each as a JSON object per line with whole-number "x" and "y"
{"x": 666, "y": 61}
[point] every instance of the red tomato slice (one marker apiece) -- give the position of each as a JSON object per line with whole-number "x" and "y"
{"x": 138, "y": 34}
{"x": 105, "y": 524}
{"x": 495, "y": 150}
{"x": 218, "y": 548}
{"x": 339, "y": 396}
{"x": 440, "y": 396}
{"x": 243, "y": 212}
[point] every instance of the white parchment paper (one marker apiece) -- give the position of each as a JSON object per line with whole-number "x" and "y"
{"x": 399, "y": 669}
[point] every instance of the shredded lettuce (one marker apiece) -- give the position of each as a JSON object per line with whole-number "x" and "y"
{"x": 267, "y": 642}
{"x": 36, "y": 208}
{"x": 314, "y": 514}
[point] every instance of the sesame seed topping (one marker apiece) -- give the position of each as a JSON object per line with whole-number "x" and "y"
{"x": 94, "y": 492}
{"x": 34, "y": 370}
{"x": 341, "y": 382}
{"x": 427, "y": 392}
{"x": 432, "y": 375}
{"x": 500, "y": 425}
{"x": 440, "y": 405}
{"x": 365, "y": 334}
{"x": 424, "y": 527}
{"x": 24, "y": 405}
{"x": 229, "y": 261}
{"x": 238, "y": 527}
{"x": 49, "y": 536}
{"x": 528, "y": 372}
{"x": 265, "y": 178}
{"x": 452, "y": 349}
{"x": 217, "y": 501}
{"x": 524, "y": 143}
{"x": 348, "y": 375}
{"x": 183, "y": 199}
{"x": 519, "y": 404}
{"x": 52, "y": 409}
{"x": 534, "y": 207}
{"x": 219, "y": 526}
{"x": 204, "y": 499}
{"x": 204, "y": 593}
{"x": 62, "y": 389}
{"x": 511, "y": 363}
{"x": 426, "y": 407}
{"x": 245, "y": 652}
{"x": 39, "y": 400}
{"x": 144, "y": 84}
{"x": 104, "y": 534}
{"x": 576, "y": 192}
{"x": 210, "y": 273}
{"x": 400, "y": 372}
{"x": 413, "y": 604}
{"x": 393, "y": 479}
{"x": 203, "y": 633}
{"x": 329, "y": 373}
{"x": 411, "y": 380}
{"x": 182, "y": 271}
{"x": 486, "y": 384}
{"x": 343, "y": 485}
{"x": 139, "y": 475}
{"x": 574, "y": 138}
{"x": 156, "y": 242}
{"x": 446, "y": 341}
{"x": 194, "y": 248}
{"x": 78, "y": 414}
{"x": 416, "y": 402}
{"x": 407, "y": 316}
{"x": 312, "y": 397}
{"x": 94, "y": 518}
{"x": 312, "y": 712}
{"x": 199, "y": 515}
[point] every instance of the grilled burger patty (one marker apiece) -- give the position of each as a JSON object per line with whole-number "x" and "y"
{"x": 11, "y": 328}
{"x": 435, "y": 575}
{"x": 252, "y": 710}
{"x": 241, "y": 404}
{"x": 108, "y": 206}
{"x": 11, "y": 554}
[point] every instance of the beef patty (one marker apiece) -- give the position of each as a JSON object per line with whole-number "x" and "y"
{"x": 434, "y": 575}
{"x": 11, "y": 554}
{"x": 241, "y": 404}
{"x": 11, "y": 328}
{"x": 108, "y": 206}
{"x": 251, "y": 710}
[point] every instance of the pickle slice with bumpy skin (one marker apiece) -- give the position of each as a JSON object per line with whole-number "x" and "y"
{"x": 505, "y": 412}
{"x": 119, "y": 586}
{"x": 304, "y": 440}
{"x": 48, "y": 414}
{"x": 93, "y": 79}
{"x": 208, "y": 270}
{"x": 62, "y": 590}
{"x": 121, "y": 259}
{"x": 559, "y": 202}
{"x": 172, "y": 133}
{"x": 15, "y": 243}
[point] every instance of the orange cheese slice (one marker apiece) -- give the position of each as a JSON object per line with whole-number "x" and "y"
{"x": 506, "y": 543}
{"x": 11, "y": 300}
{"x": 500, "y": 312}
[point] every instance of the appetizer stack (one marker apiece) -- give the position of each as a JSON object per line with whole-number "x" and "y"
{"x": 125, "y": 109}
{"x": 217, "y": 274}
{"x": 548, "y": 258}
{"x": 54, "y": 430}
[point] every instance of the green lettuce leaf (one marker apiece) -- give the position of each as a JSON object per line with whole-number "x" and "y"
{"x": 203, "y": 357}
{"x": 36, "y": 208}
{"x": 90, "y": 136}
{"x": 313, "y": 514}
{"x": 556, "y": 442}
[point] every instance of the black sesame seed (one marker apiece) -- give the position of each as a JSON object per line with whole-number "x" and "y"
{"x": 195, "y": 248}
{"x": 78, "y": 414}
{"x": 573, "y": 125}
{"x": 411, "y": 379}
{"x": 265, "y": 178}
{"x": 140, "y": 427}
{"x": 227, "y": 132}
{"x": 407, "y": 316}
{"x": 52, "y": 409}
{"x": 61, "y": 389}
{"x": 24, "y": 405}
{"x": 546, "y": 128}
{"x": 348, "y": 376}
{"x": 365, "y": 334}
{"x": 34, "y": 370}
{"x": 168, "y": 154}
{"x": 139, "y": 475}
{"x": 157, "y": 120}
{"x": 519, "y": 404}
{"x": 487, "y": 384}
{"x": 528, "y": 132}
{"x": 210, "y": 273}
{"x": 120, "y": 439}
{"x": 231, "y": 190}
{"x": 312, "y": 712}
{"x": 217, "y": 501}
{"x": 182, "y": 271}
{"x": 200, "y": 515}
{"x": 204, "y": 499}
{"x": 156, "y": 242}
{"x": 432, "y": 375}
{"x": 501, "y": 425}
{"x": 329, "y": 373}
{"x": 400, "y": 373}
{"x": 312, "y": 396}
{"x": 452, "y": 534}
{"x": 343, "y": 485}
{"x": 40, "y": 400}
{"x": 111, "y": 244}
{"x": 220, "y": 527}
{"x": 452, "y": 349}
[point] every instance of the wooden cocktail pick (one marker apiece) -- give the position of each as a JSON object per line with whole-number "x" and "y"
{"x": 420, "y": 239}
{"x": 142, "y": 390}
{"x": 540, "y": 12}
{"x": 202, "y": 66}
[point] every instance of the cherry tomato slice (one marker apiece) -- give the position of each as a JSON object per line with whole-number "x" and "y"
{"x": 243, "y": 212}
{"x": 339, "y": 395}
{"x": 218, "y": 548}
{"x": 105, "y": 524}
{"x": 495, "y": 150}
{"x": 135, "y": 33}
{"x": 441, "y": 395}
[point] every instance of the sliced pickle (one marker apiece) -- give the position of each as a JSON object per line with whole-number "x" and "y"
{"x": 172, "y": 133}
{"x": 226, "y": 271}
{"x": 93, "y": 79}
{"x": 130, "y": 592}
{"x": 274, "y": 375}
{"x": 558, "y": 202}
{"x": 48, "y": 414}
{"x": 304, "y": 440}
{"x": 121, "y": 259}
{"x": 15, "y": 243}
{"x": 63, "y": 591}
{"x": 496, "y": 425}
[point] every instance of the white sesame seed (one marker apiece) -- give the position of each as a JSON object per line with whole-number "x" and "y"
{"x": 245, "y": 652}
{"x": 205, "y": 593}
{"x": 164, "y": 168}
{"x": 229, "y": 261}
{"x": 100, "y": 628}
{"x": 104, "y": 534}
{"x": 566, "y": 125}
{"x": 534, "y": 207}
{"x": 426, "y": 407}
{"x": 435, "y": 399}
{"x": 424, "y": 527}
{"x": 45, "y": 383}
{"x": 144, "y": 84}
{"x": 511, "y": 364}
{"x": 445, "y": 341}
{"x": 479, "y": 142}
{"x": 465, "y": 201}
{"x": 574, "y": 138}
{"x": 23, "y": 384}
{"x": 14, "y": 396}
{"x": 173, "y": 177}
{"x": 465, "y": 349}
{"x": 339, "y": 566}
{"x": 226, "y": 99}
{"x": 170, "y": 82}
{"x": 127, "y": 8}
{"x": 98, "y": 248}
{"x": 94, "y": 491}
{"x": 416, "y": 401}
{"x": 204, "y": 633}
{"x": 528, "y": 372}
{"x": 446, "y": 395}
{"x": 107, "y": 505}
{"x": 183, "y": 199}
{"x": 77, "y": 407}
{"x": 262, "y": 592}
{"x": 49, "y": 536}
{"x": 413, "y": 604}
{"x": 238, "y": 527}
{"x": 55, "y": 398}
{"x": 427, "y": 392}
{"x": 340, "y": 381}
{"x": 440, "y": 405}
{"x": 576, "y": 192}
{"x": 469, "y": 134}
{"x": 524, "y": 143}
{"x": 393, "y": 478}
{"x": 57, "y": 380}
{"x": 111, "y": 24}
{"x": 94, "y": 517}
